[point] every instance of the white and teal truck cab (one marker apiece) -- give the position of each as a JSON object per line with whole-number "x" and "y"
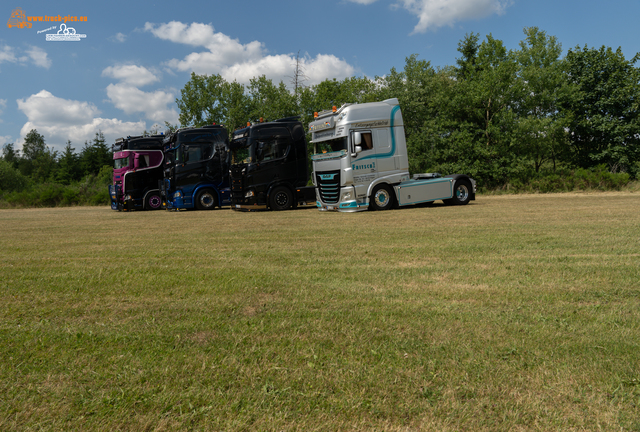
{"x": 360, "y": 162}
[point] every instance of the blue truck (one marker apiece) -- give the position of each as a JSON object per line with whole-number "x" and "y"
{"x": 196, "y": 168}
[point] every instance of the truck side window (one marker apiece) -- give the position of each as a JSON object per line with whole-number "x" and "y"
{"x": 193, "y": 154}
{"x": 206, "y": 151}
{"x": 274, "y": 144}
{"x": 274, "y": 149}
{"x": 367, "y": 141}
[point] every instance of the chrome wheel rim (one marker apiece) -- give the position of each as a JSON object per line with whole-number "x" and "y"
{"x": 462, "y": 193}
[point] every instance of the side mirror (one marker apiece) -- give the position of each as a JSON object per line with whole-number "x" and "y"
{"x": 260, "y": 151}
{"x": 136, "y": 161}
{"x": 357, "y": 140}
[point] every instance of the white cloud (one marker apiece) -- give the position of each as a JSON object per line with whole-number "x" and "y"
{"x": 433, "y": 14}
{"x": 129, "y": 98}
{"x": 236, "y": 61}
{"x": 7, "y": 55}
{"x": 280, "y": 68}
{"x": 34, "y": 54}
{"x": 59, "y": 120}
{"x": 153, "y": 104}
{"x": 222, "y": 49}
{"x": 5, "y": 140}
{"x": 131, "y": 74}
{"x": 118, "y": 37}
{"x": 39, "y": 57}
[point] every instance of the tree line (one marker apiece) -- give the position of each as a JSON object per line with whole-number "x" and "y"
{"x": 41, "y": 176}
{"x": 519, "y": 119}
{"x": 509, "y": 118}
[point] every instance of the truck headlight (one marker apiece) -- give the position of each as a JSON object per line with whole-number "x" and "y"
{"x": 178, "y": 194}
{"x": 249, "y": 194}
{"x": 347, "y": 196}
{"x": 126, "y": 198}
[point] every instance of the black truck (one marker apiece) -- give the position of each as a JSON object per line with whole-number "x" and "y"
{"x": 269, "y": 166}
{"x": 196, "y": 168}
{"x": 137, "y": 169}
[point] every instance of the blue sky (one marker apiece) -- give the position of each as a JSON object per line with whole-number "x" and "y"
{"x": 123, "y": 77}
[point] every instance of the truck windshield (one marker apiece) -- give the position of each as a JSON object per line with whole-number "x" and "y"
{"x": 121, "y": 163}
{"x": 333, "y": 145}
{"x": 243, "y": 154}
{"x": 170, "y": 156}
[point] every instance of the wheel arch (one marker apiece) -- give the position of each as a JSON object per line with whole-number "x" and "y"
{"x": 146, "y": 195}
{"x": 456, "y": 177}
{"x": 202, "y": 186}
{"x": 276, "y": 185}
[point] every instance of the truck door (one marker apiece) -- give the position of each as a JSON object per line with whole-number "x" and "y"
{"x": 273, "y": 148}
{"x": 385, "y": 153}
{"x": 364, "y": 164}
{"x": 192, "y": 169}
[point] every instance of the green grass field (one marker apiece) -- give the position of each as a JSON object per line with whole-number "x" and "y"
{"x": 512, "y": 313}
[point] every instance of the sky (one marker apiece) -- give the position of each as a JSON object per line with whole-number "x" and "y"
{"x": 118, "y": 67}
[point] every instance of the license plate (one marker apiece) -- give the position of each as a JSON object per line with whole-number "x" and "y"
{"x": 331, "y": 208}
{"x": 237, "y": 205}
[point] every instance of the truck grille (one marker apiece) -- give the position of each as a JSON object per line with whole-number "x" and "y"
{"x": 329, "y": 186}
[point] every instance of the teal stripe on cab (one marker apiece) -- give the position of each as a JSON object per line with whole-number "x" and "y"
{"x": 393, "y": 140}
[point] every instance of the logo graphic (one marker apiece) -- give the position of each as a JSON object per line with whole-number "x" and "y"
{"x": 65, "y": 34}
{"x": 18, "y": 19}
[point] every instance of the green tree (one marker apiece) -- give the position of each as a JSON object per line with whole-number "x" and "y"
{"x": 68, "y": 166}
{"x": 10, "y": 178}
{"x": 201, "y": 100}
{"x": 540, "y": 132}
{"x": 10, "y": 155}
{"x": 33, "y": 146}
{"x": 270, "y": 102}
{"x": 604, "y": 116}
{"x": 235, "y": 111}
{"x": 480, "y": 112}
{"x": 95, "y": 155}
{"x": 38, "y": 161}
{"x": 468, "y": 48}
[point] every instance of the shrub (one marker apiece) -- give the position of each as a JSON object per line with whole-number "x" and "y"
{"x": 11, "y": 179}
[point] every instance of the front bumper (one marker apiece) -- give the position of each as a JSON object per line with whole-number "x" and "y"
{"x": 346, "y": 202}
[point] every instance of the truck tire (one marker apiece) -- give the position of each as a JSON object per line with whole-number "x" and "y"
{"x": 153, "y": 201}
{"x": 382, "y": 198}
{"x": 206, "y": 200}
{"x": 280, "y": 199}
{"x": 461, "y": 193}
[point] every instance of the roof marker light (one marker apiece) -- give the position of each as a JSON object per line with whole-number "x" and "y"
{"x": 334, "y": 108}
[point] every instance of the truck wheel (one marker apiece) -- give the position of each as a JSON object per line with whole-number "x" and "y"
{"x": 153, "y": 201}
{"x": 281, "y": 199}
{"x": 461, "y": 193}
{"x": 206, "y": 200}
{"x": 382, "y": 198}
